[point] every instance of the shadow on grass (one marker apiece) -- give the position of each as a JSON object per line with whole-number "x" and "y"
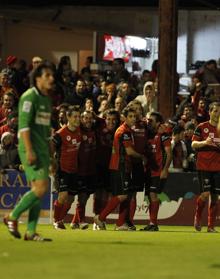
{"x": 179, "y": 231}
{"x": 156, "y": 232}
{"x": 117, "y": 242}
{"x": 215, "y": 265}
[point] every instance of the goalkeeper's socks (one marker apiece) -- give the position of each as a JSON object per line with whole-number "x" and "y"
{"x": 33, "y": 216}
{"x": 26, "y": 202}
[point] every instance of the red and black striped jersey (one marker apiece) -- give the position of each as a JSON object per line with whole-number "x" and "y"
{"x": 158, "y": 143}
{"x": 87, "y": 153}
{"x": 123, "y": 138}
{"x": 208, "y": 157}
{"x": 141, "y": 136}
{"x": 67, "y": 144}
{"x": 104, "y": 144}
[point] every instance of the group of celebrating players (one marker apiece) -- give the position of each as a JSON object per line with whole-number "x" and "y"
{"x": 112, "y": 157}
{"x": 113, "y": 160}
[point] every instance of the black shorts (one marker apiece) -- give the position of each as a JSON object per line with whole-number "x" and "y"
{"x": 209, "y": 181}
{"x": 87, "y": 184}
{"x": 120, "y": 183}
{"x": 138, "y": 176}
{"x": 68, "y": 182}
{"x": 103, "y": 178}
{"x": 155, "y": 185}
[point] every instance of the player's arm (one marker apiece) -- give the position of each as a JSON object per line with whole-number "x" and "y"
{"x": 197, "y": 141}
{"x": 26, "y": 117}
{"x": 131, "y": 152}
{"x": 164, "y": 172}
{"x": 199, "y": 144}
{"x": 30, "y": 154}
{"x": 53, "y": 160}
{"x": 166, "y": 142}
{"x": 127, "y": 141}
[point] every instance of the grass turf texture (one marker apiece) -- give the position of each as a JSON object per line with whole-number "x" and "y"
{"x": 173, "y": 252}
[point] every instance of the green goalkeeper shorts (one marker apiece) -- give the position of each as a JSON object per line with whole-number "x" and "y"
{"x": 38, "y": 171}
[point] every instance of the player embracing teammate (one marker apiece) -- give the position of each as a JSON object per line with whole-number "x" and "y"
{"x": 161, "y": 147}
{"x": 105, "y": 130}
{"x": 121, "y": 170}
{"x": 206, "y": 142}
{"x": 67, "y": 142}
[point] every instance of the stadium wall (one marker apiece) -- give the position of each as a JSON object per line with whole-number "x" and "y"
{"x": 177, "y": 200}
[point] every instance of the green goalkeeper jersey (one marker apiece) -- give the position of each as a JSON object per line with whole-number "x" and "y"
{"x": 35, "y": 115}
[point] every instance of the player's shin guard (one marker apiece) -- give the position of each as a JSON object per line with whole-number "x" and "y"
{"x": 154, "y": 208}
{"x": 212, "y": 214}
{"x": 79, "y": 216}
{"x": 200, "y": 205}
{"x": 66, "y": 207}
{"x": 123, "y": 212}
{"x": 57, "y": 211}
{"x": 111, "y": 205}
{"x": 132, "y": 209}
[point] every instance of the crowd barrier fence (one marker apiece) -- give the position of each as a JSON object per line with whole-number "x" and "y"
{"x": 177, "y": 200}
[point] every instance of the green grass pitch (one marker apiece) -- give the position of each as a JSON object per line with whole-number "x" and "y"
{"x": 171, "y": 253}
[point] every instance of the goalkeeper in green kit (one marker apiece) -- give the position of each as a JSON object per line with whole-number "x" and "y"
{"x": 34, "y": 132}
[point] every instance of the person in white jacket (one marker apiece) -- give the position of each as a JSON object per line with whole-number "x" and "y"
{"x": 148, "y": 99}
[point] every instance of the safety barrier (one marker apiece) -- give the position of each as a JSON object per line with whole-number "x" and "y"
{"x": 177, "y": 200}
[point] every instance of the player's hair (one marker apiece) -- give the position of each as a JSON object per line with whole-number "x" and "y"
{"x": 39, "y": 71}
{"x": 112, "y": 112}
{"x": 127, "y": 110}
{"x": 212, "y": 105}
{"x": 136, "y": 102}
{"x": 177, "y": 130}
{"x": 158, "y": 116}
{"x": 72, "y": 109}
